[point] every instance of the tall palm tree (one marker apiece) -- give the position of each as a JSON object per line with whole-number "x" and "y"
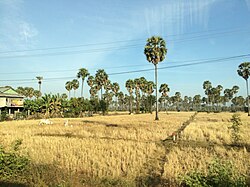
{"x": 115, "y": 88}
{"x": 82, "y": 73}
{"x": 68, "y": 87}
{"x": 91, "y": 81}
{"x": 155, "y": 51}
{"x": 39, "y": 78}
{"x": 130, "y": 87}
{"x": 150, "y": 86}
{"x": 164, "y": 89}
{"x": 137, "y": 93}
{"x": 101, "y": 77}
{"x": 75, "y": 85}
{"x": 244, "y": 72}
{"x": 207, "y": 86}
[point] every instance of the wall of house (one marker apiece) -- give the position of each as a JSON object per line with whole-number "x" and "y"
{"x": 2, "y": 101}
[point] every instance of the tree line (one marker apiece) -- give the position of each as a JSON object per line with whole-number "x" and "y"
{"x": 140, "y": 96}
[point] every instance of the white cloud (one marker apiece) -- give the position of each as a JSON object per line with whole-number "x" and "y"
{"x": 27, "y": 31}
{"x": 16, "y": 32}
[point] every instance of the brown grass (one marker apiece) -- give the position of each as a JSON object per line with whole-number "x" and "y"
{"x": 128, "y": 146}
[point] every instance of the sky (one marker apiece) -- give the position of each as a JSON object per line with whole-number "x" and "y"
{"x": 54, "y": 38}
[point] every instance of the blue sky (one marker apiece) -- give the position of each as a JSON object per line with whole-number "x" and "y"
{"x": 117, "y": 31}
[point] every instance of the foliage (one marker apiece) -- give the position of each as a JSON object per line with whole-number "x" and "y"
{"x": 220, "y": 173}
{"x": 11, "y": 163}
{"x": 235, "y": 128}
{"x": 3, "y": 115}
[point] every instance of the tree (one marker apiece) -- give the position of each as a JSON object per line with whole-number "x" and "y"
{"x": 101, "y": 77}
{"x": 75, "y": 85}
{"x": 39, "y": 83}
{"x": 130, "y": 87}
{"x": 115, "y": 88}
{"x": 244, "y": 72}
{"x": 69, "y": 87}
{"x": 91, "y": 81}
{"x": 155, "y": 51}
{"x": 137, "y": 93}
{"x": 83, "y": 73}
{"x": 150, "y": 86}
{"x": 207, "y": 86}
{"x": 37, "y": 94}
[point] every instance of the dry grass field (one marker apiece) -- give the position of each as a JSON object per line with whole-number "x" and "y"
{"x": 124, "y": 147}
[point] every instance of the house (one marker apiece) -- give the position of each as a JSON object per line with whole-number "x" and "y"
{"x": 10, "y": 100}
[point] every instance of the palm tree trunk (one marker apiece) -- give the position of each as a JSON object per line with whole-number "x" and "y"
{"x": 82, "y": 88}
{"x": 130, "y": 105}
{"x": 40, "y": 87}
{"x": 101, "y": 93}
{"x": 156, "y": 94}
{"x": 247, "y": 98}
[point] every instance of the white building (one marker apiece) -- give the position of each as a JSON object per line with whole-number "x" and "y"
{"x": 10, "y": 100}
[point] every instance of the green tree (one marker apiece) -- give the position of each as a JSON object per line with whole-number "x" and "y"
{"x": 150, "y": 86}
{"x": 244, "y": 72}
{"x": 130, "y": 87}
{"x": 207, "y": 86}
{"x": 155, "y": 51}
{"x": 115, "y": 88}
{"x": 68, "y": 87}
{"x": 75, "y": 85}
{"x": 82, "y": 73}
{"x": 101, "y": 77}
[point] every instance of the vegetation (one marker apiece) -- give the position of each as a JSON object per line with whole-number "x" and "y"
{"x": 126, "y": 150}
{"x": 244, "y": 72}
{"x": 220, "y": 173}
{"x": 83, "y": 148}
{"x": 155, "y": 51}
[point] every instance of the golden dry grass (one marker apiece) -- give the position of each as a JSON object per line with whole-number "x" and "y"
{"x": 128, "y": 146}
{"x": 114, "y": 146}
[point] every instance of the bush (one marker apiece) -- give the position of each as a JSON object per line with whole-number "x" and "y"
{"x": 12, "y": 164}
{"x": 235, "y": 128}
{"x": 220, "y": 174}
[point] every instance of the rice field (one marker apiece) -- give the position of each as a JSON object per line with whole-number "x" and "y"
{"x": 125, "y": 147}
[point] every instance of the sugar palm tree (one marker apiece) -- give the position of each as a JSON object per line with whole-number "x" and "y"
{"x": 164, "y": 89}
{"x": 68, "y": 87}
{"x": 130, "y": 87}
{"x": 137, "y": 93}
{"x": 150, "y": 86}
{"x": 82, "y": 73}
{"x": 244, "y": 72}
{"x": 101, "y": 77}
{"x": 155, "y": 51}
{"x": 39, "y": 78}
{"x": 75, "y": 85}
{"x": 207, "y": 86}
{"x": 90, "y": 81}
{"x": 115, "y": 88}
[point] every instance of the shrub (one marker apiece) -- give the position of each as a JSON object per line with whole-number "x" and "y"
{"x": 11, "y": 163}
{"x": 220, "y": 173}
{"x": 235, "y": 128}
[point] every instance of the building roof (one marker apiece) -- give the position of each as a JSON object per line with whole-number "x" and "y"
{"x": 8, "y": 91}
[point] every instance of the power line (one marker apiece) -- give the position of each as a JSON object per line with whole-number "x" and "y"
{"x": 204, "y": 36}
{"x": 150, "y": 69}
{"x": 108, "y": 67}
{"x": 124, "y": 41}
